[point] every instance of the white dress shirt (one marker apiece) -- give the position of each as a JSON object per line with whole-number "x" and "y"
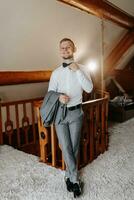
{"x": 72, "y": 83}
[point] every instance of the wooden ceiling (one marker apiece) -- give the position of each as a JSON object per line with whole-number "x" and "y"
{"x": 105, "y": 10}
{"x": 123, "y": 45}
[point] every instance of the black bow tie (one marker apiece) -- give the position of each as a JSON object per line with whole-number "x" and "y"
{"x": 65, "y": 64}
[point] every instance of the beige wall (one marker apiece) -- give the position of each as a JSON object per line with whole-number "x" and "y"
{"x": 30, "y": 31}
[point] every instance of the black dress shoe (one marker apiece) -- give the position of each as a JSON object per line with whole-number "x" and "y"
{"x": 69, "y": 185}
{"x": 76, "y": 190}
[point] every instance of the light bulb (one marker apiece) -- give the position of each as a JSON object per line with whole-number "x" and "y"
{"x": 92, "y": 65}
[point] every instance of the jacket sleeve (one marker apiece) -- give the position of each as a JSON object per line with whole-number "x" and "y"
{"x": 53, "y": 83}
{"x": 86, "y": 82}
{"x": 49, "y": 107}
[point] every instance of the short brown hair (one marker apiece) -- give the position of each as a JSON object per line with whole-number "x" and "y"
{"x": 67, "y": 39}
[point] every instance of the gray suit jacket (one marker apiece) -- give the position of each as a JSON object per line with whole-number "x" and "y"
{"x": 49, "y": 109}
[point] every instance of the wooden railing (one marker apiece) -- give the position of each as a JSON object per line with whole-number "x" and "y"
{"x": 18, "y": 128}
{"x": 18, "y": 124}
{"x": 94, "y": 136}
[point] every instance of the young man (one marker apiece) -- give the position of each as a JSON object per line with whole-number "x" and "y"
{"x": 70, "y": 81}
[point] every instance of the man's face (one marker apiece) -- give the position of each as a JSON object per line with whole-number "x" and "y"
{"x": 67, "y": 50}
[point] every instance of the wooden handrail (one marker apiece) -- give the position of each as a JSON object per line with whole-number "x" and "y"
{"x": 20, "y": 101}
{"x": 91, "y": 102}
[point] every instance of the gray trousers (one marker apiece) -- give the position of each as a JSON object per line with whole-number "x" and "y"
{"x": 68, "y": 133}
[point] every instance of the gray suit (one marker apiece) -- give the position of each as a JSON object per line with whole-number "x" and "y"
{"x": 49, "y": 108}
{"x": 69, "y": 132}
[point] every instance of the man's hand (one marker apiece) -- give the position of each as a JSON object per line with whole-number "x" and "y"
{"x": 74, "y": 66}
{"x": 64, "y": 98}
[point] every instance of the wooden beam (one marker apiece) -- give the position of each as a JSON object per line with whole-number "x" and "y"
{"x": 21, "y": 77}
{"x": 105, "y": 10}
{"x": 124, "y": 44}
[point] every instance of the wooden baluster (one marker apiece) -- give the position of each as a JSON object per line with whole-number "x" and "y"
{"x": 88, "y": 132}
{"x": 102, "y": 128}
{"x": 84, "y": 149}
{"x": 63, "y": 163}
{"x": 96, "y": 130}
{"x": 17, "y": 124}
{"x": 1, "y": 133}
{"x": 106, "y": 123}
{"x": 25, "y": 123}
{"x": 8, "y": 126}
{"x": 53, "y": 145}
{"x": 99, "y": 127}
{"x": 43, "y": 138}
{"x": 33, "y": 123}
{"x": 91, "y": 135}
{"x": 85, "y": 137}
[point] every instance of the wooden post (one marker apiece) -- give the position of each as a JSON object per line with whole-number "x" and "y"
{"x": 53, "y": 145}
{"x": 43, "y": 138}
